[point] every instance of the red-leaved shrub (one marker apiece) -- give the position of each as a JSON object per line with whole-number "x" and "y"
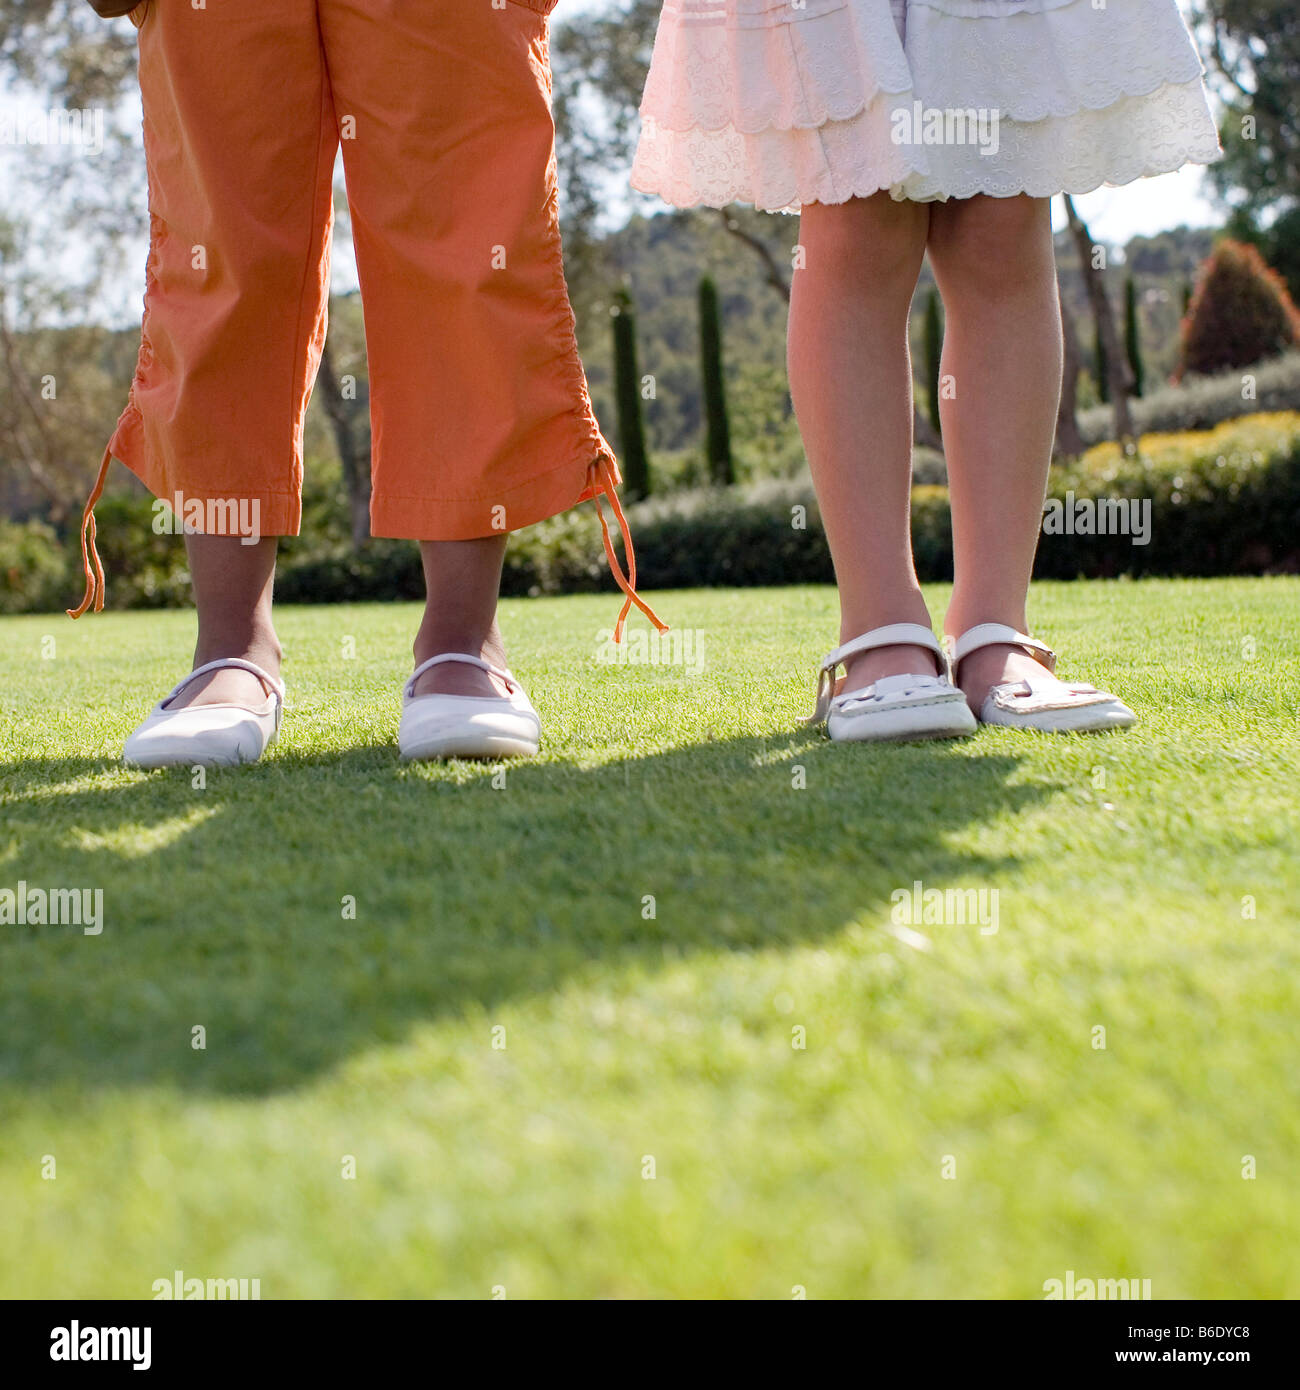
{"x": 1240, "y": 314}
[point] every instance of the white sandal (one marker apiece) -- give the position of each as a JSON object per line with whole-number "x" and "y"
{"x": 894, "y": 707}
{"x": 467, "y": 726}
{"x": 211, "y": 735}
{"x": 1040, "y": 702}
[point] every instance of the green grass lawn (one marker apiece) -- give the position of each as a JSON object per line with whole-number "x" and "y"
{"x": 951, "y": 1127}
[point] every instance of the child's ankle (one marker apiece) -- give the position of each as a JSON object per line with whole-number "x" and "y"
{"x": 906, "y": 609}
{"x": 437, "y": 638}
{"x": 255, "y": 642}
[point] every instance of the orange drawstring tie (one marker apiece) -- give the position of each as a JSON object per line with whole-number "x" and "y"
{"x": 94, "y": 570}
{"x": 89, "y": 555}
{"x": 603, "y": 483}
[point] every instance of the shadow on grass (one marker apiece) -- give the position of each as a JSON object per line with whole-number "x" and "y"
{"x": 225, "y": 907}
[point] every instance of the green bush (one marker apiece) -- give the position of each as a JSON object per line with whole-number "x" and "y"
{"x": 1201, "y": 402}
{"x": 34, "y": 572}
{"x": 1225, "y": 501}
{"x": 143, "y": 568}
{"x": 929, "y": 467}
{"x": 381, "y": 569}
{"x": 564, "y": 554}
{"x": 740, "y": 536}
{"x": 1222, "y": 501}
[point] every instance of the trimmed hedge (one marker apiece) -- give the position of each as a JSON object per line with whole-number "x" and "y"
{"x": 1201, "y": 402}
{"x": 1222, "y": 501}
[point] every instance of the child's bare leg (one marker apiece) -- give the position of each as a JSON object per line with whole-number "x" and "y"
{"x": 232, "y": 592}
{"x": 851, "y": 382}
{"x": 463, "y": 579}
{"x": 993, "y": 260}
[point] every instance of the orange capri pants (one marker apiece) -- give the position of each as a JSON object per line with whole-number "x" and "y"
{"x": 481, "y": 420}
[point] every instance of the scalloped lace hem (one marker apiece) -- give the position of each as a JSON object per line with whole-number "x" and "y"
{"x": 779, "y": 170}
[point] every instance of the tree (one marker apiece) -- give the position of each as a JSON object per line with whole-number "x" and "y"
{"x": 717, "y": 430}
{"x": 64, "y": 48}
{"x": 1241, "y": 313}
{"x": 1278, "y": 242}
{"x": 627, "y": 394}
{"x": 1113, "y": 367}
{"x": 933, "y": 355}
{"x": 349, "y": 416}
{"x": 1254, "y": 49}
{"x": 59, "y": 396}
{"x": 1068, "y": 442}
{"x": 773, "y": 272}
{"x": 72, "y": 218}
{"x": 1132, "y": 336}
{"x": 600, "y": 61}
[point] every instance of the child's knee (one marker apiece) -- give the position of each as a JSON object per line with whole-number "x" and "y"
{"x": 992, "y": 247}
{"x": 863, "y": 243}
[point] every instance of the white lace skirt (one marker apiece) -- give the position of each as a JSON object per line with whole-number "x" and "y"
{"x": 784, "y": 102}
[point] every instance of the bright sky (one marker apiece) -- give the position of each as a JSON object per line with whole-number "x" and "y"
{"x": 1149, "y": 206}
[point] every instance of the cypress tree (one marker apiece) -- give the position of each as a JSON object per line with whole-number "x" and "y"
{"x": 1101, "y": 368}
{"x": 933, "y": 353}
{"x": 635, "y": 460}
{"x": 1132, "y": 336}
{"x": 717, "y": 429}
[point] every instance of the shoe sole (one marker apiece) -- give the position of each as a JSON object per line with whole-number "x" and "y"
{"x": 924, "y": 723}
{"x": 1088, "y": 724}
{"x": 158, "y": 763}
{"x": 180, "y": 758}
{"x": 479, "y": 748}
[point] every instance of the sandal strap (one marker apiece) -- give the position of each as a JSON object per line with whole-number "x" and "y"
{"x": 228, "y": 663}
{"x": 998, "y": 635}
{"x": 467, "y": 659}
{"x": 891, "y": 635}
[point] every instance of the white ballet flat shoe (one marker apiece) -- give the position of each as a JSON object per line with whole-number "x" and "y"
{"x": 894, "y": 708}
{"x": 211, "y": 735}
{"x": 467, "y": 726}
{"x": 1043, "y": 703}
